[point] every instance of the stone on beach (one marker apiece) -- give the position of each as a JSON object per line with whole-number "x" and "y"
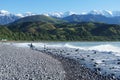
{"x": 25, "y": 64}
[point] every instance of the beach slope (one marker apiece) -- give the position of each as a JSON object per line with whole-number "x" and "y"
{"x": 26, "y": 64}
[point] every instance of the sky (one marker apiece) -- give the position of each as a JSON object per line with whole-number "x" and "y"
{"x": 45, "y": 6}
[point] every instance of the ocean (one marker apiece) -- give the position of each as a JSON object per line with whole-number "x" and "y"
{"x": 99, "y": 46}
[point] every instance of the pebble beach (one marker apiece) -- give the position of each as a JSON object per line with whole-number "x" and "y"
{"x": 26, "y": 64}
{"x": 19, "y": 63}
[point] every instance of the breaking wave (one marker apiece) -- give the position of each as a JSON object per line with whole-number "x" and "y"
{"x": 101, "y": 47}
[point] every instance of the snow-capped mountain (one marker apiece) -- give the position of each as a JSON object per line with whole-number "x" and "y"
{"x": 28, "y": 14}
{"x": 25, "y": 14}
{"x": 7, "y": 17}
{"x": 68, "y": 13}
{"x": 54, "y": 14}
{"x": 60, "y": 14}
{"x": 4, "y": 13}
{"x": 105, "y": 13}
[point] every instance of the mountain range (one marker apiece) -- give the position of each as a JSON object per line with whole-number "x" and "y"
{"x": 105, "y": 13}
{"x": 70, "y": 28}
{"x": 104, "y": 16}
{"x": 49, "y": 31}
{"x": 7, "y": 17}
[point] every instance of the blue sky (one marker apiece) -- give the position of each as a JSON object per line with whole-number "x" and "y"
{"x": 43, "y": 6}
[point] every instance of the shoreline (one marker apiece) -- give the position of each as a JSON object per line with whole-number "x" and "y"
{"x": 77, "y": 71}
{"x": 74, "y": 68}
{"x": 50, "y": 41}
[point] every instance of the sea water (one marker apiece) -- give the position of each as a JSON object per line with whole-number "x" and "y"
{"x": 104, "y": 55}
{"x": 99, "y": 46}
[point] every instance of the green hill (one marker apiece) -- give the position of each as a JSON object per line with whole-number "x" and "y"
{"x": 38, "y": 31}
{"x": 31, "y": 26}
{"x": 38, "y": 18}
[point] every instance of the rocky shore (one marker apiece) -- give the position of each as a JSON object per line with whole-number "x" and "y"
{"x": 26, "y": 64}
{"x": 75, "y": 70}
{"x": 18, "y": 63}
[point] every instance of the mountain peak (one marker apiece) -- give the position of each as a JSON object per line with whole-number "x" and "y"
{"x": 55, "y": 14}
{"x": 106, "y": 13}
{"x": 4, "y": 12}
{"x": 68, "y": 13}
{"x": 28, "y": 14}
{"x": 95, "y": 12}
{"x": 19, "y": 15}
{"x": 8, "y": 17}
{"x": 59, "y": 14}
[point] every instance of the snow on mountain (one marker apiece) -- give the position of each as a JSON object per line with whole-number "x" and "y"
{"x": 83, "y": 13}
{"x": 28, "y": 14}
{"x": 59, "y": 14}
{"x": 7, "y": 17}
{"x": 8, "y": 14}
{"x": 106, "y": 13}
{"x": 68, "y": 13}
{"x": 4, "y": 13}
{"x": 25, "y": 14}
{"x": 19, "y": 15}
{"x": 54, "y": 14}
{"x": 95, "y": 12}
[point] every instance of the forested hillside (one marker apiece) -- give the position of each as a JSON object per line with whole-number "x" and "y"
{"x": 39, "y": 31}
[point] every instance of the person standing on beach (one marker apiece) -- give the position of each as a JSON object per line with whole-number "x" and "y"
{"x": 31, "y": 46}
{"x": 44, "y": 47}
